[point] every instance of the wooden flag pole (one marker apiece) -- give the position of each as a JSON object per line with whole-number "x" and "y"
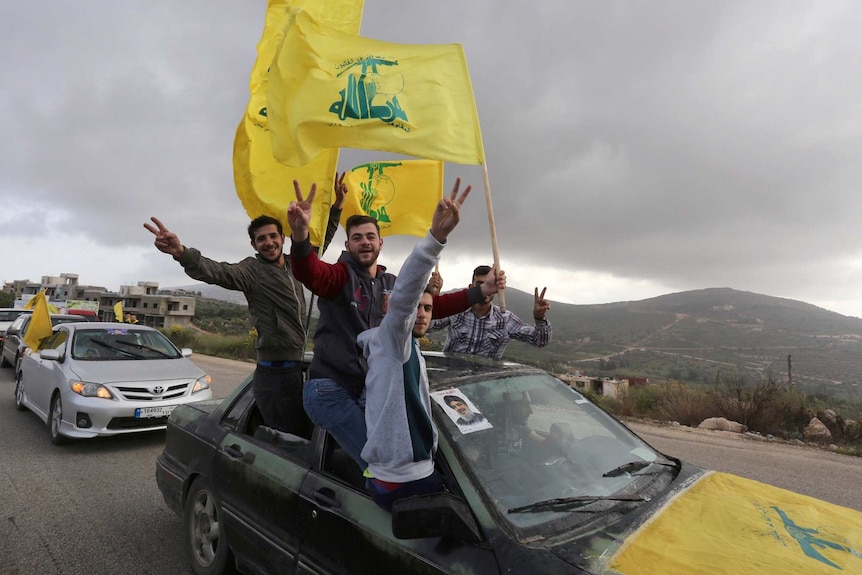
{"x": 501, "y": 295}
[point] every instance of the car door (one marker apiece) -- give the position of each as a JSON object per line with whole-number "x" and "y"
{"x": 13, "y": 338}
{"x": 44, "y": 375}
{"x": 258, "y": 473}
{"x": 343, "y": 531}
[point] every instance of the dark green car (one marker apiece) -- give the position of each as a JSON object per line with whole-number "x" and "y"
{"x": 540, "y": 480}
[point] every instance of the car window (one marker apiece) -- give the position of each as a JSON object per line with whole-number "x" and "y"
{"x": 121, "y": 344}
{"x": 341, "y": 466}
{"x": 530, "y": 438}
{"x": 245, "y": 418}
{"x": 56, "y": 341}
{"x": 9, "y": 315}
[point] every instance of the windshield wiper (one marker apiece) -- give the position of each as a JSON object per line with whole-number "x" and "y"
{"x": 572, "y": 502}
{"x": 112, "y": 347}
{"x": 146, "y": 347}
{"x": 634, "y": 466}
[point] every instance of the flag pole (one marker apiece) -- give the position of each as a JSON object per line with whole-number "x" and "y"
{"x": 493, "y": 226}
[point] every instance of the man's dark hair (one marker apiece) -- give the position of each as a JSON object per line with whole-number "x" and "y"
{"x": 360, "y": 220}
{"x": 481, "y": 271}
{"x": 448, "y": 399}
{"x": 261, "y": 221}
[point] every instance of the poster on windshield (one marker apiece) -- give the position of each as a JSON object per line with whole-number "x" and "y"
{"x": 461, "y": 410}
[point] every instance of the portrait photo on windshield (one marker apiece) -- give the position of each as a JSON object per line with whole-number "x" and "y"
{"x": 461, "y": 410}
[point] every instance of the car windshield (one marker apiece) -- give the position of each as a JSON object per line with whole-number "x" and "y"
{"x": 121, "y": 343}
{"x": 9, "y": 315}
{"x": 542, "y": 453}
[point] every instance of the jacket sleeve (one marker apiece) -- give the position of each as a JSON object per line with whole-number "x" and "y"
{"x": 455, "y": 302}
{"x": 397, "y": 324}
{"x": 438, "y": 324}
{"x": 239, "y": 276}
{"x": 538, "y": 336}
{"x": 323, "y": 279}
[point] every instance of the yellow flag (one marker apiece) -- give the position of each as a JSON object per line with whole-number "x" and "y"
{"x": 40, "y": 323}
{"x": 729, "y": 524}
{"x": 328, "y": 89}
{"x": 264, "y": 186}
{"x": 402, "y": 195}
{"x": 118, "y": 311}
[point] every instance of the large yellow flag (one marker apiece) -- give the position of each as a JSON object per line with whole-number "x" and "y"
{"x": 728, "y": 524}
{"x": 40, "y": 323}
{"x": 264, "y": 186}
{"x": 402, "y": 195}
{"x": 118, "y": 311}
{"x": 328, "y": 89}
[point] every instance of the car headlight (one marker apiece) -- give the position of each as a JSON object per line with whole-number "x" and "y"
{"x": 91, "y": 389}
{"x": 202, "y": 383}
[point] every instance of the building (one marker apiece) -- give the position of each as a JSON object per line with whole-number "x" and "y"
{"x": 605, "y": 386}
{"x": 145, "y": 301}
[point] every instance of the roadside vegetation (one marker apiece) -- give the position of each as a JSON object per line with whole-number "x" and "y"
{"x": 764, "y": 405}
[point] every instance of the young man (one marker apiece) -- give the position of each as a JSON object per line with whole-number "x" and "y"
{"x": 353, "y": 296}
{"x": 401, "y": 437}
{"x": 276, "y": 306}
{"x": 485, "y": 329}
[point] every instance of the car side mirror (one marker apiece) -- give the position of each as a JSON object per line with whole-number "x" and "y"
{"x": 436, "y": 515}
{"x": 186, "y": 352}
{"x": 51, "y": 354}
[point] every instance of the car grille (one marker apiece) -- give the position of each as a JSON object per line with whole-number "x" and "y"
{"x": 135, "y": 423}
{"x": 149, "y": 393}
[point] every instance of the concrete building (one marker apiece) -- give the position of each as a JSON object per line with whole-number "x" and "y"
{"x": 145, "y": 301}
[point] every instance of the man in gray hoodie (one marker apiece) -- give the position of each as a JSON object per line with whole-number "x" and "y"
{"x": 401, "y": 438}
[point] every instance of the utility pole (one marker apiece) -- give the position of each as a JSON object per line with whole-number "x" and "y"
{"x": 789, "y": 372}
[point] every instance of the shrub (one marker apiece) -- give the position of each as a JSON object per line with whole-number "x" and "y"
{"x": 180, "y": 336}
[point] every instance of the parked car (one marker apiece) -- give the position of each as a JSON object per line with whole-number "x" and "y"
{"x": 540, "y": 480}
{"x": 85, "y": 314}
{"x": 13, "y": 344}
{"x": 7, "y": 316}
{"x": 95, "y": 378}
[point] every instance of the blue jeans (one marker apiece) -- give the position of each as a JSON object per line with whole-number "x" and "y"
{"x": 342, "y": 415}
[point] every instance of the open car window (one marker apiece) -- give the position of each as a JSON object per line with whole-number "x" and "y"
{"x": 244, "y": 417}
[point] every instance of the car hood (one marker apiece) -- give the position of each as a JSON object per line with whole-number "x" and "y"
{"x": 136, "y": 370}
{"x": 722, "y": 523}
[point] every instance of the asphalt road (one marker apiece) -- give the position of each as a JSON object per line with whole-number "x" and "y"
{"x": 93, "y": 508}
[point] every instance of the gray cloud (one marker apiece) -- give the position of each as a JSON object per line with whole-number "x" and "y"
{"x": 691, "y": 144}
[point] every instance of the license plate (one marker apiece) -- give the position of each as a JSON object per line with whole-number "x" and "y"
{"x": 145, "y": 412}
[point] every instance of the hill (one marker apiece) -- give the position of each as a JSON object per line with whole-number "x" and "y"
{"x": 692, "y": 336}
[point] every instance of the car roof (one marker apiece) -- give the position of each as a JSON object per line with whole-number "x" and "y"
{"x": 455, "y": 369}
{"x": 105, "y": 325}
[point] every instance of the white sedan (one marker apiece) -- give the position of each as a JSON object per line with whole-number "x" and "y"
{"x": 93, "y": 379}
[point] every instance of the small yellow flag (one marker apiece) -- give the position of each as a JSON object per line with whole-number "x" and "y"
{"x": 118, "y": 311}
{"x": 264, "y": 186}
{"x": 328, "y": 89}
{"x": 402, "y": 195}
{"x": 40, "y": 324}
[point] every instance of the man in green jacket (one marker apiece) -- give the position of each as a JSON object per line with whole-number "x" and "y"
{"x": 276, "y": 306}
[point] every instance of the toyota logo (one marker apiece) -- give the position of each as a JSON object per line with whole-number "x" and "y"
{"x": 158, "y": 390}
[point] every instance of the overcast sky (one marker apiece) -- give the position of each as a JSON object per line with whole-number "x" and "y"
{"x": 634, "y": 148}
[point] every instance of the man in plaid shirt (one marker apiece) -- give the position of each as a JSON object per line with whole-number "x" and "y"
{"x": 485, "y": 329}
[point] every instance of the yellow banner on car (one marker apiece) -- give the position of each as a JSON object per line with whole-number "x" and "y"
{"x": 728, "y": 524}
{"x": 40, "y": 324}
